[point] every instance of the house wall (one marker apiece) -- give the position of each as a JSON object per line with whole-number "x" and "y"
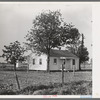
{"x": 76, "y": 66}
{"x": 55, "y": 66}
{"x": 68, "y": 63}
{"x": 37, "y": 66}
{"x": 77, "y": 63}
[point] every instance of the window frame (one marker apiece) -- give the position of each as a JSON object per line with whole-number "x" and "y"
{"x": 33, "y": 61}
{"x": 40, "y": 61}
{"x": 73, "y": 62}
{"x": 55, "y": 59}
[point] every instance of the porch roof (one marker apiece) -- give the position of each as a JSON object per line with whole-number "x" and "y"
{"x": 61, "y": 53}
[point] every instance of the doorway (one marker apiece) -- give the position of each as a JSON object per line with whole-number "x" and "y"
{"x": 67, "y": 64}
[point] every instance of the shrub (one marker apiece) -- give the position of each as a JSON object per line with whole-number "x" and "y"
{"x": 6, "y": 89}
{"x": 72, "y": 88}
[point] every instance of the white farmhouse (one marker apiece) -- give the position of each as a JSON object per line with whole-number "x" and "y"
{"x": 57, "y": 58}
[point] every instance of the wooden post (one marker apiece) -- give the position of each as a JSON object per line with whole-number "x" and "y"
{"x": 28, "y": 61}
{"x": 62, "y": 74}
{"x": 73, "y": 70}
{"x": 16, "y": 77}
{"x": 17, "y": 81}
{"x": 27, "y": 68}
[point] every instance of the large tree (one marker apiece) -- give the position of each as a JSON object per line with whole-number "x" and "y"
{"x": 45, "y": 33}
{"x": 73, "y": 42}
{"x": 76, "y": 46}
{"x": 82, "y": 53}
{"x": 13, "y": 53}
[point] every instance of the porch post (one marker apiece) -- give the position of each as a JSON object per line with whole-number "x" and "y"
{"x": 71, "y": 64}
{"x": 73, "y": 70}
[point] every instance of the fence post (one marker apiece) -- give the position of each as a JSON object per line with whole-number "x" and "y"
{"x": 16, "y": 77}
{"x": 62, "y": 74}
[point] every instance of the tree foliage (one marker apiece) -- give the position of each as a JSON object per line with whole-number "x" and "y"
{"x": 13, "y": 52}
{"x": 50, "y": 31}
{"x": 82, "y": 53}
{"x": 73, "y": 41}
{"x": 76, "y": 46}
{"x": 46, "y": 32}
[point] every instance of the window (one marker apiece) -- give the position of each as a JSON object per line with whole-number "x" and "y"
{"x": 55, "y": 61}
{"x": 40, "y": 61}
{"x": 73, "y": 61}
{"x": 33, "y": 61}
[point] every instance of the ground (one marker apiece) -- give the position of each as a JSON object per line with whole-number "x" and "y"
{"x": 43, "y": 79}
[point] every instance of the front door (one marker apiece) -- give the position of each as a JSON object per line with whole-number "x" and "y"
{"x": 67, "y": 64}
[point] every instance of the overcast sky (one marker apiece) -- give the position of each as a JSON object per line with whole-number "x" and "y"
{"x": 16, "y": 20}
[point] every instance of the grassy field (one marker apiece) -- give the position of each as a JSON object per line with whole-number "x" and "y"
{"x": 46, "y": 82}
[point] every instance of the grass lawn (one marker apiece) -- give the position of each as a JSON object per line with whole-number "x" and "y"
{"x": 43, "y": 82}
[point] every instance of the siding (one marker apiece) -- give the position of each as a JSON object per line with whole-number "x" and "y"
{"x": 37, "y": 66}
{"x": 53, "y": 66}
{"x": 68, "y": 63}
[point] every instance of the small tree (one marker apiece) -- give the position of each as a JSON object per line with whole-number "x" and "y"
{"x": 46, "y": 33}
{"x": 13, "y": 53}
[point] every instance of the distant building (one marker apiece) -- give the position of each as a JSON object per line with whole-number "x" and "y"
{"x": 57, "y": 58}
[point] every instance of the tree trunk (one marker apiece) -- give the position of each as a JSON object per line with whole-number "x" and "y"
{"x": 27, "y": 74}
{"x": 79, "y": 66}
{"x": 48, "y": 61}
{"x": 16, "y": 77}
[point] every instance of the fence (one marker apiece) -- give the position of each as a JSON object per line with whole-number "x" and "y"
{"x": 8, "y": 67}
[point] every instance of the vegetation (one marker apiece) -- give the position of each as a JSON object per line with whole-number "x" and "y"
{"x": 13, "y": 53}
{"x": 73, "y": 88}
{"x": 45, "y": 83}
{"x": 76, "y": 46}
{"x": 82, "y": 53}
{"x": 50, "y": 31}
{"x": 73, "y": 43}
{"x": 45, "y": 33}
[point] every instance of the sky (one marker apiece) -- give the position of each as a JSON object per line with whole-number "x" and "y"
{"x": 16, "y": 19}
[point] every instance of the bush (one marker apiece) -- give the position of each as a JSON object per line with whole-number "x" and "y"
{"x": 8, "y": 92}
{"x": 6, "y": 89}
{"x": 73, "y": 88}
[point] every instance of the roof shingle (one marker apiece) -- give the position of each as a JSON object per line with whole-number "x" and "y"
{"x": 61, "y": 53}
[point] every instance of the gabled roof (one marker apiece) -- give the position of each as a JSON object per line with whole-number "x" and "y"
{"x": 61, "y": 53}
